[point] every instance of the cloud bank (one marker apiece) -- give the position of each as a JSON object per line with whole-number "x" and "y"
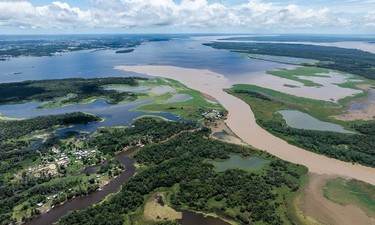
{"x": 128, "y": 14}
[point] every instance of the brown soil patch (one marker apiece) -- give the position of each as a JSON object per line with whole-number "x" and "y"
{"x": 315, "y": 205}
{"x": 157, "y": 210}
{"x": 366, "y": 114}
{"x": 220, "y": 126}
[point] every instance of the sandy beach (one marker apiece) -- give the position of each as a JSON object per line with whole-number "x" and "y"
{"x": 241, "y": 121}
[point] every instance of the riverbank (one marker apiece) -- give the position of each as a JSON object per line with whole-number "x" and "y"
{"x": 315, "y": 205}
{"x": 242, "y": 122}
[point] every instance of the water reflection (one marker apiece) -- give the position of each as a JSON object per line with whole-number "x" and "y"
{"x": 300, "y": 120}
{"x": 114, "y": 115}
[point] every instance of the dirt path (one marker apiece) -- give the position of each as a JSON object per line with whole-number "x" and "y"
{"x": 242, "y": 122}
{"x": 315, "y": 205}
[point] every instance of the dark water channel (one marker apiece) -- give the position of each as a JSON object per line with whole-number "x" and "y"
{"x": 85, "y": 201}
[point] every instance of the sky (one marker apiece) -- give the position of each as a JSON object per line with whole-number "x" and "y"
{"x": 187, "y": 16}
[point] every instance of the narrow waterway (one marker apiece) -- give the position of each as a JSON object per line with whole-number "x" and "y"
{"x": 85, "y": 201}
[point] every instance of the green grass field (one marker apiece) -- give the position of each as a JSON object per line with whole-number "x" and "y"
{"x": 358, "y": 193}
{"x": 191, "y": 109}
{"x": 296, "y": 74}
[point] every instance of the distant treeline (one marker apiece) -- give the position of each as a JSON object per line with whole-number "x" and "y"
{"x": 47, "y": 90}
{"x": 48, "y": 46}
{"x": 346, "y": 60}
{"x": 303, "y": 38}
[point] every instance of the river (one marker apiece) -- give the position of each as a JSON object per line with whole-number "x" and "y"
{"x": 241, "y": 121}
{"x": 85, "y": 201}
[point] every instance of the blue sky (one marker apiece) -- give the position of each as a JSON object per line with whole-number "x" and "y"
{"x": 203, "y": 16}
{"x": 84, "y": 4}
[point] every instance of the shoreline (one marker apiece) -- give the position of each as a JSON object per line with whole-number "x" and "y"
{"x": 241, "y": 121}
{"x": 317, "y": 206}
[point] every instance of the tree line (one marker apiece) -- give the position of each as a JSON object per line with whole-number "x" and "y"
{"x": 79, "y": 88}
{"x": 351, "y": 61}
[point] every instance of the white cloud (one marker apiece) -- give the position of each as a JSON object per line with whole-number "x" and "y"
{"x": 370, "y": 19}
{"x": 55, "y": 15}
{"x": 151, "y": 13}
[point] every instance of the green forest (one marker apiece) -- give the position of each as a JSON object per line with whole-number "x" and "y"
{"x": 181, "y": 162}
{"x": 16, "y": 153}
{"x": 79, "y": 88}
{"x": 15, "y": 150}
{"x": 144, "y": 130}
{"x": 30, "y": 190}
{"x": 346, "y": 60}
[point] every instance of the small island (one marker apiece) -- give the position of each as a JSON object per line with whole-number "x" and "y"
{"x": 125, "y": 51}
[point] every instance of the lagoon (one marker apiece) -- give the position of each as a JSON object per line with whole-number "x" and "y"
{"x": 237, "y": 162}
{"x": 300, "y": 120}
{"x": 114, "y": 115}
{"x": 139, "y": 89}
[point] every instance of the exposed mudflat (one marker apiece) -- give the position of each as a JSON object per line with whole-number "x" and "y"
{"x": 315, "y": 205}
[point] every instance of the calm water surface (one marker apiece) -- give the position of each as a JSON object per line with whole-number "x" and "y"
{"x": 365, "y": 104}
{"x": 189, "y": 53}
{"x": 300, "y": 120}
{"x": 114, "y": 115}
{"x": 237, "y": 162}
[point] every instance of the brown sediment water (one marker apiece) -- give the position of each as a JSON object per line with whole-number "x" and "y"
{"x": 242, "y": 122}
{"x": 315, "y": 205}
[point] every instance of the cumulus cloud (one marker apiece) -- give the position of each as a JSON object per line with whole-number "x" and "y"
{"x": 55, "y": 15}
{"x": 370, "y": 19}
{"x": 167, "y": 13}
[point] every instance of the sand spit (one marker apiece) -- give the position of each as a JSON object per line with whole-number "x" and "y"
{"x": 315, "y": 205}
{"x": 241, "y": 121}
